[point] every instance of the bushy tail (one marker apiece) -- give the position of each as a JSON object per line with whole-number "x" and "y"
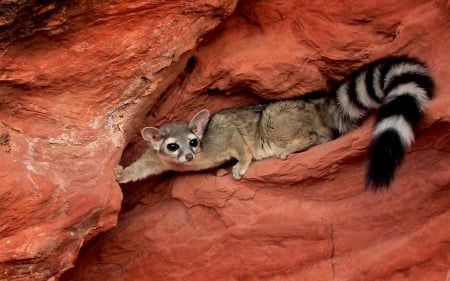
{"x": 400, "y": 88}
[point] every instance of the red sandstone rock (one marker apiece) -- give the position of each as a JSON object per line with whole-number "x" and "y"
{"x": 89, "y": 77}
{"x": 73, "y": 78}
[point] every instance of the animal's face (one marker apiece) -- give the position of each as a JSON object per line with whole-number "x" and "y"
{"x": 175, "y": 142}
{"x": 178, "y": 142}
{"x": 180, "y": 148}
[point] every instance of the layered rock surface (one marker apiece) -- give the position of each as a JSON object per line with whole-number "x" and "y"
{"x": 79, "y": 80}
{"x": 76, "y": 80}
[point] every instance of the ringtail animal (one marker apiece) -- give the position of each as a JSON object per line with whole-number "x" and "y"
{"x": 243, "y": 133}
{"x": 397, "y": 87}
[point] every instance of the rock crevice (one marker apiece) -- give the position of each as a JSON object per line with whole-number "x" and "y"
{"x": 78, "y": 81}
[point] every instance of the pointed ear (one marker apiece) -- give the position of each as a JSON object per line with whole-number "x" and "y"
{"x": 199, "y": 122}
{"x": 154, "y": 136}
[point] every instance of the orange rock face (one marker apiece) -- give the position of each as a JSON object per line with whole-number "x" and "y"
{"x": 73, "y": 81}
{"x": 78, "y": 81}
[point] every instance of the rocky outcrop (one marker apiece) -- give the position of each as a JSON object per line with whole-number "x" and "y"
{"x": 76, "y": 80}
{"x": 79, "y": 79}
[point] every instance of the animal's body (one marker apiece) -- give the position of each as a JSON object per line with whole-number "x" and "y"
{"x": 244, "y": 133}
{"x": 398, "y": 87}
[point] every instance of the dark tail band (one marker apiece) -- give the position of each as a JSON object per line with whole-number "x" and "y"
{"x": 399, "y": 87}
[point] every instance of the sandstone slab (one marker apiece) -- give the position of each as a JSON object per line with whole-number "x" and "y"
{"x": 309, "y": 217}
{"x": 74, "y": 78}
{"x": 78, "y": 80}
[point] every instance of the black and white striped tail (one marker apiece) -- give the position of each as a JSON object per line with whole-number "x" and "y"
{"x": 399, "y": 87}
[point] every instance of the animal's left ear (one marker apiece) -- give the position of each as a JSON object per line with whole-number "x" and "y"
{"x": 199, "y": 122}
{"x": 154, "y": 136}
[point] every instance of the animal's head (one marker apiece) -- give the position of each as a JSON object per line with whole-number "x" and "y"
{"x": 178, "y": 141}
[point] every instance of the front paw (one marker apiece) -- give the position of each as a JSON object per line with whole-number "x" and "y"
{"x": 118, "y": 172}
{"x": 238, "y": 171}
{"x": 284, "y": 155}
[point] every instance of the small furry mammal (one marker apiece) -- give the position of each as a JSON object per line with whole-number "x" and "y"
{"x": 244, "y": 133}
{"x": 398, "y": 87}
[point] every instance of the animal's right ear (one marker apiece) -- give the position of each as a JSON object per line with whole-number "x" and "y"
{"x": 199, "y": 122}
{"x": 154, "y": 136}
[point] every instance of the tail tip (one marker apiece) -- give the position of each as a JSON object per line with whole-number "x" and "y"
{"x": 386, "y": 153}
{"x": 377, "y": 184}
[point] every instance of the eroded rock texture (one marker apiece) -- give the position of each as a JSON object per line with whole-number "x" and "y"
{"x": 72, "y": 78}
{"x": 80, "y": 78}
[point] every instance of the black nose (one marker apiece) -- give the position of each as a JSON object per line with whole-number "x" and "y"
{"x": 189, "y": 157}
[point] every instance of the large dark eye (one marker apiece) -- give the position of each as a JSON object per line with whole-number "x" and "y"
{"x": 172, "y": 147}
{"x": 193, "y": 142}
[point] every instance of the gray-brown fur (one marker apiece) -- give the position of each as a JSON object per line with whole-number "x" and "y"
{"x": 245, "y": 133}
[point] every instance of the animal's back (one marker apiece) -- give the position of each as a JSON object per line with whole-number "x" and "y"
{"x": 275, "y": 128}
{"x": 232, "y": 128}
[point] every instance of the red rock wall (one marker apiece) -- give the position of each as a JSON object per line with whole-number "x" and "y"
{"x": 79, "y": 79}
{"x": 76, "y": 80}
